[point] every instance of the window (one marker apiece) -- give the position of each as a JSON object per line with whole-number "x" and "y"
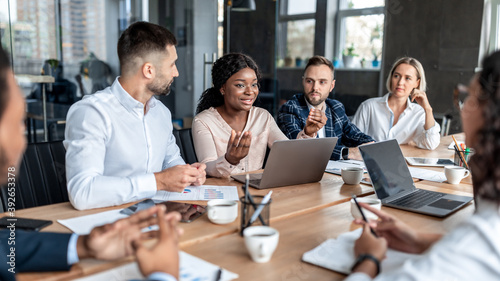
{"x": 69, "y": 39}
{"x": 490, "y": 30}
{"x": 296, "y": 32}
{"x": 359, "y": 36}
{"x": 495, "y": 29}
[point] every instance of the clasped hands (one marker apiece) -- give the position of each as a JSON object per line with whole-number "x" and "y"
{"x": 179, "y": 177}
{"x": 124, "y": 238}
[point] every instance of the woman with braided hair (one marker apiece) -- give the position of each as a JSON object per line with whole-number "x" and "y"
{"x": 228, "y": 131}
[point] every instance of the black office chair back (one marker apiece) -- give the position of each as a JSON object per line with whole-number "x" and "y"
{"x": 184, "y": 140}
{"x": 41, "y": 177}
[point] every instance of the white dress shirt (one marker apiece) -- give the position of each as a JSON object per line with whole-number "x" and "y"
{"x": 375, "y": 118}
{"x": 469, "y": 252}
{"x": 113, "y": 148}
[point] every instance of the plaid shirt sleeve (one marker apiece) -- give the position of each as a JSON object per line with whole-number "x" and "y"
{"x": 340, "y": 126}
{"x": 291, "y": 118}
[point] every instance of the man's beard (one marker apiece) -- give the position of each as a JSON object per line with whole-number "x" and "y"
{"x": 314, "y": 103}
{"x": 158, "y": 89}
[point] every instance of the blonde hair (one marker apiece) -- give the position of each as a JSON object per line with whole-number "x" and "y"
{"x": 418, "y": 67}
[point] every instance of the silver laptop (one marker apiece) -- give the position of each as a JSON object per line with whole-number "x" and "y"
{"x": 293, "y": 162}
{"x": 394, "y": 185}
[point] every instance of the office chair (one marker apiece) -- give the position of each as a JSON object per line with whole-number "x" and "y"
{"x": 184, "y": 140}
{"x": 41, "y": 177}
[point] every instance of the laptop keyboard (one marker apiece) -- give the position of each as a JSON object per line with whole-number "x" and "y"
{"x": 417, "y": 199}
{"x": 255, "y": 182}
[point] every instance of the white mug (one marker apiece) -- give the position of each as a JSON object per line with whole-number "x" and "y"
{"x": 261, "y": 241}
{"x": 352, "y": 175}
{"x": 221, "y": 211}
{"x": 454, "y": 174}
{"x": 373, "y": 202}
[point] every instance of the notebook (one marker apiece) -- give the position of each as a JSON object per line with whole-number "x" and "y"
{"x": 338, "y": 254}
{"x": 292, "y": 162}
{"x": 394, "y": 185}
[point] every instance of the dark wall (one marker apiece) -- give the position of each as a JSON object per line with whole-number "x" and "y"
{"x": 444, "y": 36}
{"x": 253, "y": 33}
{"x": 357, "y": 82}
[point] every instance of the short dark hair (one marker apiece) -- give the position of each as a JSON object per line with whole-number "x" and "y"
{"x": 225, "y": 67}
{"x": 143, "y": 38}
{"x": 4, "y": 88}
{"x": 319, "y": 60}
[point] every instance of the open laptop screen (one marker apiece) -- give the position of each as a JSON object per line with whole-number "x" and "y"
{"x": 387, "y": 168}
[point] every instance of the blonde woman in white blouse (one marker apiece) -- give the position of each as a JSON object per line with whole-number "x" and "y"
{"x": 395, "y": 116}
{"x": 228, "y": 131}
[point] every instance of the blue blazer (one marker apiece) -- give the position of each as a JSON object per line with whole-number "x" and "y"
{"x": 33, "y": 251}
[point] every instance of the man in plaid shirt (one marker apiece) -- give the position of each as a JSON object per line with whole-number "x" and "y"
{"x": 320, "y": 116}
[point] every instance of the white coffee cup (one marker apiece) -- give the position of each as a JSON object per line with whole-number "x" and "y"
{"x": 373, "y": 202}
{"x": 221, "y": 211}
{"x": 454, "y": 174}
{"x": 261, "y": 241}
{"x": 352, "y": 175}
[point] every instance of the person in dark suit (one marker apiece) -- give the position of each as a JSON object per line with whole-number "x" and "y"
{"x": 33, "y": 251}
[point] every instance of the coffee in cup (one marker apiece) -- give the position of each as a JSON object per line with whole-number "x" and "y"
{"x": 261, "y": 241}
{"x": 454, "y": 174}
{"x": 221, "y": 211}
{"x": 352, "y": 175}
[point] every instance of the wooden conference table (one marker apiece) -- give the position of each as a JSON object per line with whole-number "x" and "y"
{"x": 305, "y": 215}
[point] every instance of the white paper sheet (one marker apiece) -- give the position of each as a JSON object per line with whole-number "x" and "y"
{"x": 191, "y": 269}
{"x": 203, "y": 192}
{"x": 425, "y": 174}
{"x": 334, "y": 167}
{"x": 84, "y": 224}
{"x": 338, "y": 254}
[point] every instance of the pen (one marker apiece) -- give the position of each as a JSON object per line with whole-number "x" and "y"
{"x": 462, "y": 146}
{"x": 219, "y": 274}
{"x": 363, "y": 215}
{"x": 265, "y": 200}
{"x": 460, "y": 153}
{"x": 247, "y": 180}
{"x": 461, "y": 156}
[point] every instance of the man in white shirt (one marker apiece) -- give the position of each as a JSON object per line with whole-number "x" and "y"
{"x": 119, "y": 142}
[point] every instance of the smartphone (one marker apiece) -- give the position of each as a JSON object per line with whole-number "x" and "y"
{"x": 189, "y": 212}
{"x": 23, "y": 223}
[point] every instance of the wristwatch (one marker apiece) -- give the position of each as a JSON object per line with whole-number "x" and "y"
{"x": 363, "y": 257}
{"x": 344, "y": 153}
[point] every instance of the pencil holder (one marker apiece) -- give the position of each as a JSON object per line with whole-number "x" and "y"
{"x": 249, "y": 209}
{"x": 467, "y": 154}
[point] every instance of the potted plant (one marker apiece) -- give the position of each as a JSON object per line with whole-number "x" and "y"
{"x": 348, "y": 56}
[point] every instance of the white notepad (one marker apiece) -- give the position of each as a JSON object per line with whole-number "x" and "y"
{"x": 338, "y": 254}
